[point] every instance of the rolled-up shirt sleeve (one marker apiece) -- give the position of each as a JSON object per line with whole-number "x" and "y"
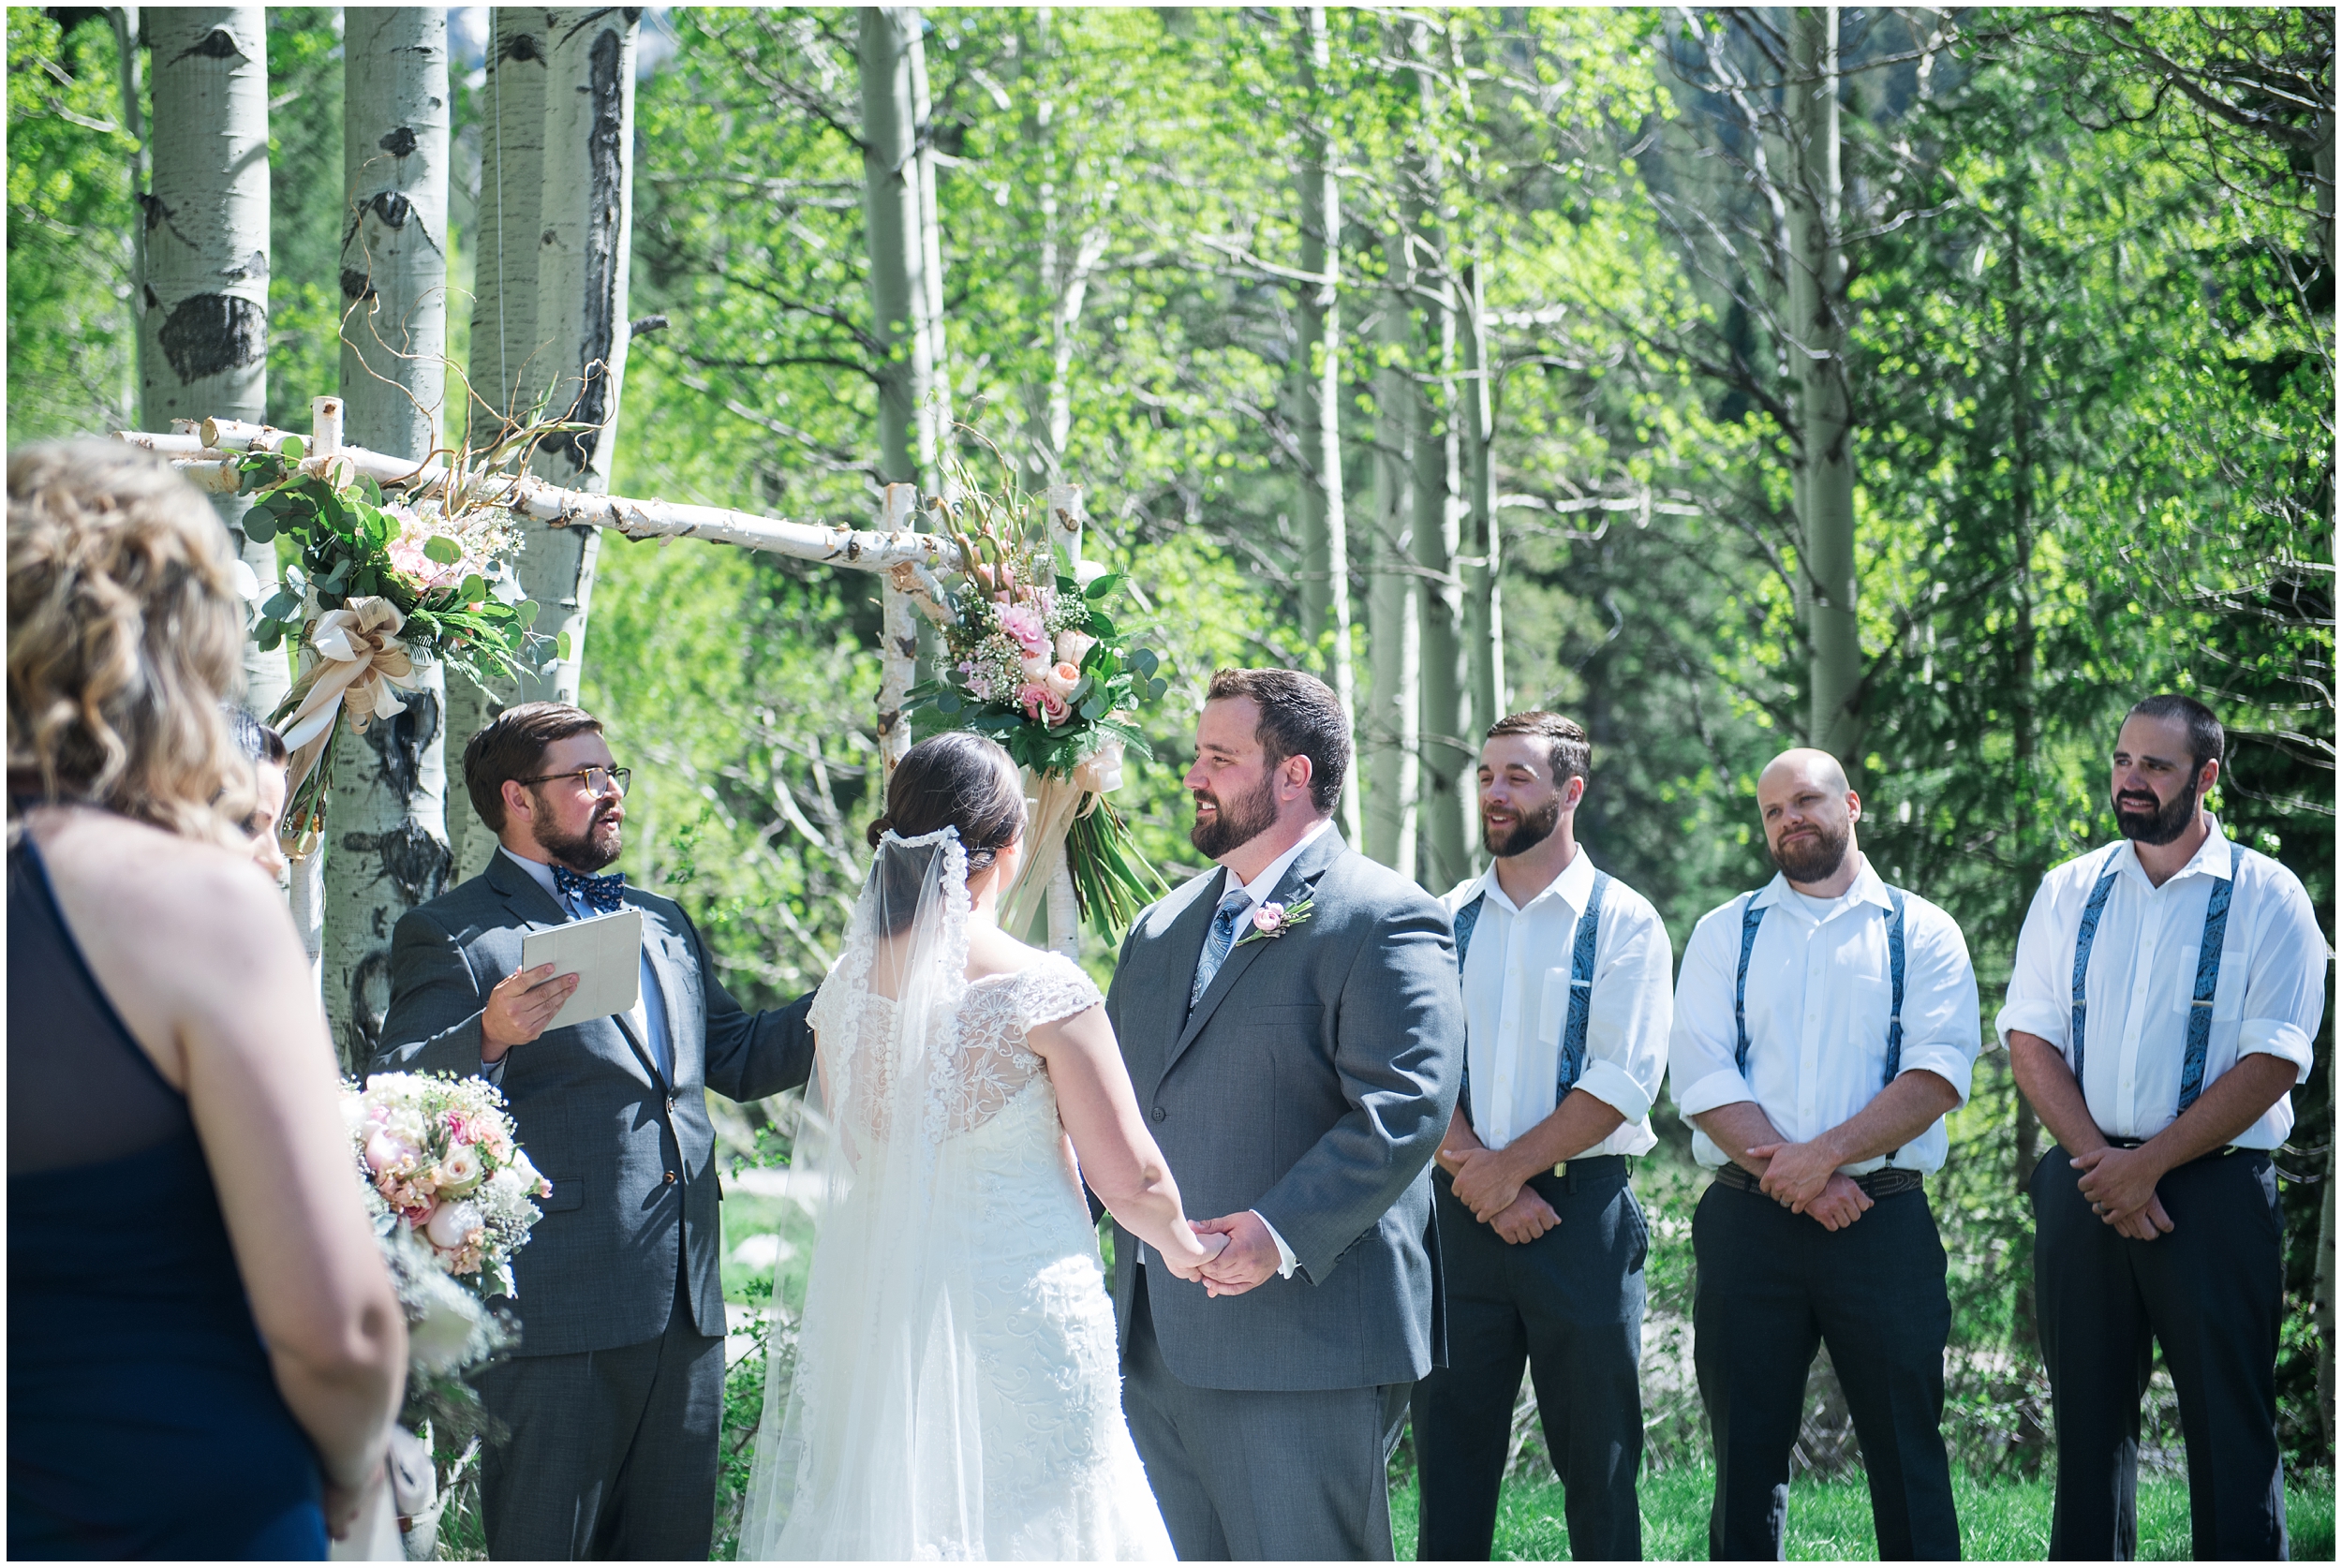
{"x": 1627, "y": 1030}
{"x": 1700, "y": 1043}
{"x": 2285, "y": 990}
{"x": 2036, "y": 1003}
{"x": 1942, "y": 1018}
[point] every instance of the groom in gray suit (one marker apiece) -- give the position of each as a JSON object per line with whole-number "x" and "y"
{"x": 615, "y": 1399}
{"x": 1292, "y": 1028}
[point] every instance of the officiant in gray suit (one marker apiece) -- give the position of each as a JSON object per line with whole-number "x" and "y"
{"x": 615, "y": 1399}
{"x": 1294, "y": 1031}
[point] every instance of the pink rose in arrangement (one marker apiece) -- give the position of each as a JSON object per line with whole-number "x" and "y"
{"x": 454, "y": 1225}
{"x": 1062, "y": 679}
{"x": 1072, "y": 646}
{"x": 1035, "y": 668}
{"x": 1023, "y": 623}
{"x": 460, "y": 1170}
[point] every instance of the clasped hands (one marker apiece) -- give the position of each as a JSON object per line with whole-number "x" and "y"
{"x": 1804, "y": 1179}
{"x": 2120, "y": 1185}
{"x": 1489, "y": 1182}
{"x": 1242, "y": 1254}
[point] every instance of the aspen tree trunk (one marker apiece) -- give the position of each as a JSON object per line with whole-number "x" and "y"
{"x": 202, "y": 290}
{"x": 1483, "y": 559}
{"x": 510, "y": 366}
{"x": 936, "y": 401}
{"x": 1817, "y": 326}
{"x": 1391, "y": 731}
{"x": 585, "y": 213}
{"x": 386, "y": 820}
{"x": 1325, "y": 524}
{"x": 126, "y": 25}
{"x": 894, "y": 210}
{"x": 1433, "y": 457}
{"x": 1064, "y": 277}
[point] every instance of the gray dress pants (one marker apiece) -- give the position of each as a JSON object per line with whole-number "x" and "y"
{"x": 612, "y": 1454}
{"x": 1249, "y": 1475}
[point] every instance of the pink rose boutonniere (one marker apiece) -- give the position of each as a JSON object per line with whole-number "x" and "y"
{"x": 1275, "y": 920}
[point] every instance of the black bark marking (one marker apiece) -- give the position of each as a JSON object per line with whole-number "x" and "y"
{"x": 154, "y": 301}
{"x": 252, "y": 266}
{"x": 413, "y": 861}
{"x": 207, "y": 334}
{"x": 369, "y": 1007}
{"x": 398, "y": 144}
{"x": 522, "y": 46}
{"x": 605, "y": 166}
{"x": 398, "y": 744}
{"x": 354, "y": 285}
{"x": 393, "y": 209}
{"x": 217, "y": 44}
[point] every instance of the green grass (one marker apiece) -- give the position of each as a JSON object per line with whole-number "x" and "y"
{"x": 2000, "y": 1520}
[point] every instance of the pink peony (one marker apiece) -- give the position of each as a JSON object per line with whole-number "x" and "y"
{"x": 454, "y": 1225}
{"x": 1023, "y": 623}
{"x": 388, "y": 1151}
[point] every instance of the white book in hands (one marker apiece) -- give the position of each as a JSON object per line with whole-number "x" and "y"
{"x": 605, "y": 952}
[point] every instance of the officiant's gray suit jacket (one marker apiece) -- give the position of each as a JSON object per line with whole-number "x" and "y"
{"x": 631, "y": 1154}
{"x": 1312, "y": 1082}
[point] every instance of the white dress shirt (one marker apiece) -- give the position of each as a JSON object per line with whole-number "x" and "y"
{"x": 1517, "y": 993}
{"x": 2270, "y": 998}
{"x": 1819, "y": 998}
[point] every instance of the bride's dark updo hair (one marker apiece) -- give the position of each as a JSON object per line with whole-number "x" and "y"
{"x": 956, "y": 780}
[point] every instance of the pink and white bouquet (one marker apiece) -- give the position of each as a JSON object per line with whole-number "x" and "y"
{"x": 437, "y": 1153}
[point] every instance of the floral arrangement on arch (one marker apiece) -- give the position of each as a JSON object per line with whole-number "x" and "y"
{"x": 1035, "y": 660}
{"x": 380, "y": 584}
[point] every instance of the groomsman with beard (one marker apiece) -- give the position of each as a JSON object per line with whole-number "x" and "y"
{"x": 1567, "y": 1007}
{"x": 2166, "y": 996}
{"x": 1824, "y": 1026}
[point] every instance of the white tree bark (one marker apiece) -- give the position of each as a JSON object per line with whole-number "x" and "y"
{"x": 1817, "y": 325}
{"x": 1391, "y": 732}
{"x": 202, "y": 295}
{"x": 1434, "y": 457}
{"x": 586, "y": 210}
{"x": 936, "y": 404}
{"x": 1483, "y": 561}
{"x": 129, "y": 73}
{"x": 894, "y": 213}
{"x": 386, "y": 834}
{"x": 509, "y": 367}
{"x": 1324, "y": 522}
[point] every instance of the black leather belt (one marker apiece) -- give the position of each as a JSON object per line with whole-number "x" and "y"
{"x": 1883, "y": 1183}
{"x": 2215, "y": 1154}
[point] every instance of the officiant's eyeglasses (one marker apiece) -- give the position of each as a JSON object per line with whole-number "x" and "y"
{"x": 595, "y": 780}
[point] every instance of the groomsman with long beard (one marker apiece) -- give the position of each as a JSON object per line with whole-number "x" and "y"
{"x": 1566, "y": 990}
{"x": 1825, "y": 1025}
{"x": 2165, "y": 1000}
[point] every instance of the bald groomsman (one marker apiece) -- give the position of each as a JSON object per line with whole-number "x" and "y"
{"x": 2166, "y": 993}
{"x": 1566, "y": 1008}
{"x": 1824, "y": 1026}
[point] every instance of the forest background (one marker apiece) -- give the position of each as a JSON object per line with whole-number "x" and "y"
{"x": 1527, "y": 421}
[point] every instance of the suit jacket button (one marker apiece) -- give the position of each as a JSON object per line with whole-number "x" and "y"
{"x": 1162, "y": 1114}
{"x": 671, "y": 1178}
{"x": 671, "y": 1104}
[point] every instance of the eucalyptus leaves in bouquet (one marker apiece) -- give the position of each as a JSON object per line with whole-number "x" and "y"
{"x": 1037, "y": 661}
{"x": 379, "y": 584}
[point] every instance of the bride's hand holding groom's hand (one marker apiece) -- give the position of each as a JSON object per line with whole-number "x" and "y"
{"x": 1248, "y": 1258}
{"x": 1191, "y": 1270}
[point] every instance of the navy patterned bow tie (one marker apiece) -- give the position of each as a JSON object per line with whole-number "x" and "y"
{"x": 600, "y": 893}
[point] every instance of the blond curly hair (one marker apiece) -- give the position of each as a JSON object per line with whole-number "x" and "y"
{"x": 125, "y": 635}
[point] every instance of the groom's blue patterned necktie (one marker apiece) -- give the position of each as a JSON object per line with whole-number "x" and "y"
{"x": 1224, "y": 925}
{"x": 597, "y": 893}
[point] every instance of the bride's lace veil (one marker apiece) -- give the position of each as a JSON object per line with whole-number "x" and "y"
{"x": 878, "y": 1365}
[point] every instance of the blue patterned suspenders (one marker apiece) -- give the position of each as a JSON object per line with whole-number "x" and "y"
{"x": 2207, "y": 971}
{"x": 1753, "y": 915}
{"x": 1572, "y": 1053}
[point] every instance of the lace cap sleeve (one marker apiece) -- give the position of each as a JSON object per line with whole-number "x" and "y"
{"x": 1052, "y": 989}
{"x": 826, "y": 1016}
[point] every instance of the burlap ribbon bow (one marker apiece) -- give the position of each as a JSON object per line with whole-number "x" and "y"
{"x": 355, "y": 661}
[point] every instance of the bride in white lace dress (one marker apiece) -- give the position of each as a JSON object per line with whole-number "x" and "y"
{"x": 956, "y": 1391}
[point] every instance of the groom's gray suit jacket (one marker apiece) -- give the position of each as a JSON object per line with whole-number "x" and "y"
{"x": 630, "y": 1153}
{"x": 1312, "y": 1082}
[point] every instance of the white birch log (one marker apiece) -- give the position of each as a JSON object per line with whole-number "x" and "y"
{"x": 509, "y": 364}
{"x": 386, "y": 820}
{"x": 203, "y": 248}
{"x": 586, "y": 213}
{"x": 1817, "y": 328}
